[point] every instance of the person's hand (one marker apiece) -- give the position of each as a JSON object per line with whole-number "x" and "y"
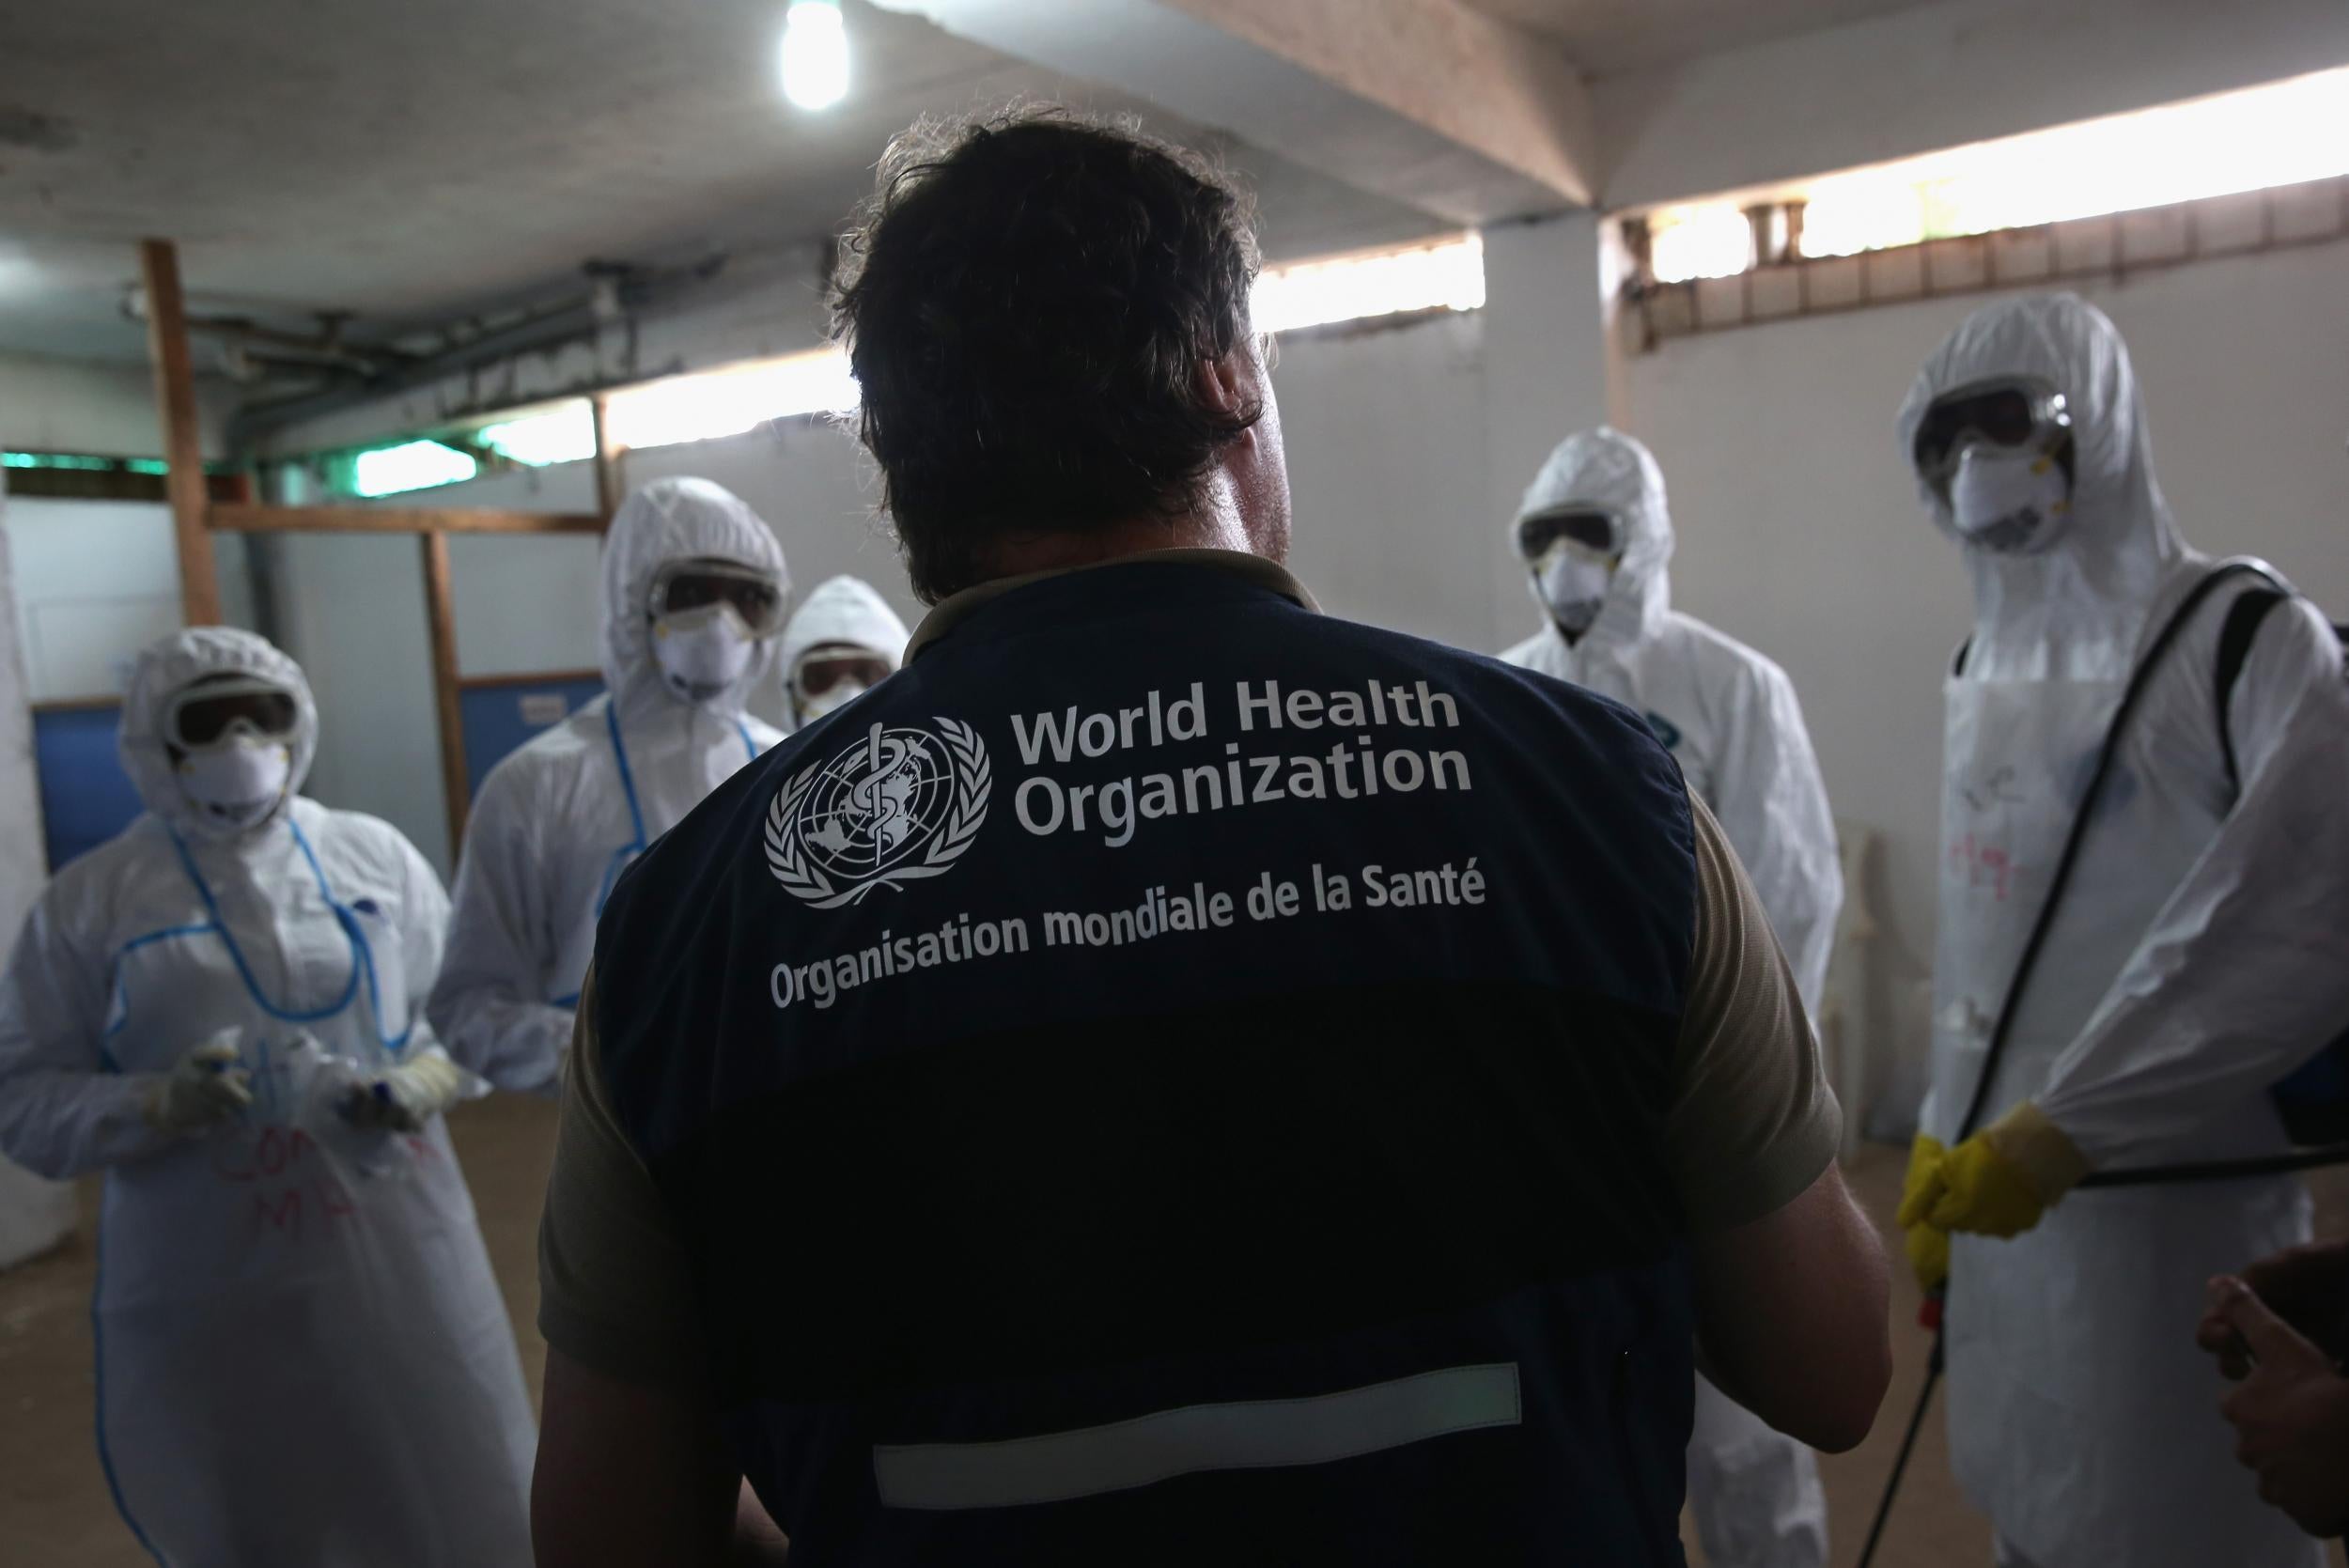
{"x": 403, "y": 1099}
{"x": 2309, "y": 1288}
{"x": 204, "y": 1088}
{"x": 1928, "y": 1247}
{"x": 2305, "y": 1286}
{"x": 2000, "y": 1181}
{"x": 2291, "y": 1413}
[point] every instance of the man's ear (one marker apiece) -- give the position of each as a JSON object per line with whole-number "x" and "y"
{"x": 1230, "y": 384}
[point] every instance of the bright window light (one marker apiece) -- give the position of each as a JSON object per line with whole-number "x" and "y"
{"x": 1872, "y": 210}
{"x": 409, "y": 466}
{"x": 814, "y": 55}
{"x": 1709, "y": 240}
{"x": 2282, "y": 133}
{"x": 564, "y": 435}
{"x": 1448, "y": 275}
{"x": 728, "y": 402}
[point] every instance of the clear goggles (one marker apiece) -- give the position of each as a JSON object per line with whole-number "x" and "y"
{"x": 682, "y": 587}
{"x": 828, "y": 665}
{"x": 1596, "y": 530}
{"x": 210, "y": 711}
{"x": 2013, "y": 412}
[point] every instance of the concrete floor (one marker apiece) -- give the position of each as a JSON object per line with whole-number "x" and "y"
{"x": 55, "y": 1512}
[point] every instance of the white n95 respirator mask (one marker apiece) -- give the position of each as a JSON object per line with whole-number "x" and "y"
{"x": 703, "y": 652}
{"x": 2011, "y": 501}
{"x": 1570, "y": 584}
{"x": 238, "y": 783}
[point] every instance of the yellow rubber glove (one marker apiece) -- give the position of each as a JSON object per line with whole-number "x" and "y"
{"x": 1998, "y": 1182}
{"x": 1928, "y": 1247}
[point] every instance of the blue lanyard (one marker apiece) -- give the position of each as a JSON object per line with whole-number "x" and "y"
{"x": 362, "y": 958}
{"x": 628, "y": 779}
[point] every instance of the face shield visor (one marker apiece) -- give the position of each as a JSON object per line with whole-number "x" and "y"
{"x": 1999, "y": 455}
{"x": 230, "y": 740}
{"x": 1572, "y": 552}
{"x": 833, "y": 674}
{"x": 687, "y": 594}
{"x": 205, "y": 714}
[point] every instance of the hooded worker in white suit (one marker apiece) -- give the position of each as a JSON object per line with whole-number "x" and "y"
{"x": 694, "y": 593}
{"x": 1595, "y": 535}
{"x": 843, "y": 641}
{"x": 2200, "y": 956}
{"x": 302, "y": 1357}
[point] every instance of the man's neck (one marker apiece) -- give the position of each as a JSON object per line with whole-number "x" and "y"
{"x": 1020, "y": 555}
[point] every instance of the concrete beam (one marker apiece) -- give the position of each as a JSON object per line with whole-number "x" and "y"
{"x": 1423, "y": 101}
{"x": 1494, "y": 89}
{"x": 1935, "y": 77}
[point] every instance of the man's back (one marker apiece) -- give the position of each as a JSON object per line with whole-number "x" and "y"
{"x": 1294, "y": 1022}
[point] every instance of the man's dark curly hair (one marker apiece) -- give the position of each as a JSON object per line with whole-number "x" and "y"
{"x": 1025, "y": 303}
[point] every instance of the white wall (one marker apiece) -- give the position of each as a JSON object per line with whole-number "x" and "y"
{"x": 96, "y": 580}
{"x": 34, "y": 1214}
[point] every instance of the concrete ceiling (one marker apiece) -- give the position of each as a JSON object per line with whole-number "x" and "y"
{"x": 1608, "y": 36}
{"x": 415, "y": 160}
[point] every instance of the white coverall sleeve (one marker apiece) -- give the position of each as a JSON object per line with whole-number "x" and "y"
{"x": 62, "y": 1112}
{"x": 2244, "y": 974}
{"x": 1773, "y": 806}
{"x": 485, "y": 1007}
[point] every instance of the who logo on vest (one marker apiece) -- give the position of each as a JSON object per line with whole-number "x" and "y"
{"x": 899, "y": 805}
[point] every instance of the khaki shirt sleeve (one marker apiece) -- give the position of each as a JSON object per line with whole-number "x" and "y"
{"x": 1755, "y": 1122}
{"x": 614, "y": 1283}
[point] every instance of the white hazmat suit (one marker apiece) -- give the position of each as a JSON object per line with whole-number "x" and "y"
{"x": 1729, "y": 715}
{"x": 2200, "y": 953}
{"x": 557, "y": 821}
{"x": 302, "y": 1357}
{"x": 847, "y": 612}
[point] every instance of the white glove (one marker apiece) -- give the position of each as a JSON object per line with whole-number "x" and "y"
{"x": 403, "y": 1099}
{"x": 204, "y": 1089}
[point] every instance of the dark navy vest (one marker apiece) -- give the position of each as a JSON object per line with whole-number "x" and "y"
{"x": 1174, "y": 1078}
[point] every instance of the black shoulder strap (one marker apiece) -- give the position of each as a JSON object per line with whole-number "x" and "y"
{"x": 2234, "y": 646}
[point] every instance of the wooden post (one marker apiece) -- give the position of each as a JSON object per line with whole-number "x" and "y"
{"x": 440, "y": 611}
{"x": 608, "y": 486}
{"x": 183, "y": 444}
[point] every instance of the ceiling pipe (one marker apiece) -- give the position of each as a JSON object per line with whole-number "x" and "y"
{"x": 324, "y": 347}
{"x": 619, "y": 294}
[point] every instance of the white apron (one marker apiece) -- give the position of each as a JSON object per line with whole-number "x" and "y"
{"x": 304, "y": 1360}
{"x": 2082, "y": 1418}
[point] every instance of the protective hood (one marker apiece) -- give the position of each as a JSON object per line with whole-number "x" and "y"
{"x": 844, "y": 609}
{"x": 675, "y": 519}
{"x": 1604, "y": 468}
{"x": 2095, "y": 583}
{"x": 177, "y": 661}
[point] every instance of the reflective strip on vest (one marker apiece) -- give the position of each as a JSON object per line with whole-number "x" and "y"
{"x": 1245, "y": 1436}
